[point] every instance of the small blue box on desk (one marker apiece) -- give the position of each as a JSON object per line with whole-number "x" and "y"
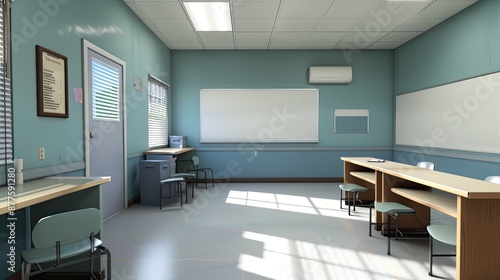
{"x": 177, "y": 141}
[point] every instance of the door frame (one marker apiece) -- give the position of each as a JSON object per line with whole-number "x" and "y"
{"x": 87, "y": 107}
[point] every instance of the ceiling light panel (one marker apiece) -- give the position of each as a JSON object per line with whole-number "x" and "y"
{"x": 209, "y": 16}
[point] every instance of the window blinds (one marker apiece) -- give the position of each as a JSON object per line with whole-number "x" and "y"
{"x": 5, "y": 92}
{"x": 105, "y": 91}
{"x": 157, "y": 112}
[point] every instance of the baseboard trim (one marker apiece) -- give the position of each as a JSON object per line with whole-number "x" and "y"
{"x": 134, "y": 200}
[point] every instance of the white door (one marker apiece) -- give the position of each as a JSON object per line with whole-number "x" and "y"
{"x": 105, "y": 125}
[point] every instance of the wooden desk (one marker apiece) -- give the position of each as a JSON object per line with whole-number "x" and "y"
{"x": 474, "y": 203}
{"x": 358, "y": 170}
{"x": 169, "y": 151}
{"x": 41, "y": 190}
{"x": 184, "y": 155}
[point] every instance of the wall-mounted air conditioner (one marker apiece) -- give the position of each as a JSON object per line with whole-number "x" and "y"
{"x": 330, "y": 74}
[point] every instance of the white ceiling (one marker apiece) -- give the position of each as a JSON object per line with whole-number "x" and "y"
{"x": 300, "y": 24}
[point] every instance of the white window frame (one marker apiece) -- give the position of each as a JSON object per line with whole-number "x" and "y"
{"x": 158, "y": 92}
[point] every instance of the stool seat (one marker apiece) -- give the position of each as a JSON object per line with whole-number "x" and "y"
{"x": 444, "y": 233}
{"x": 392, "y": 208}
{"x": 351, "y": 188}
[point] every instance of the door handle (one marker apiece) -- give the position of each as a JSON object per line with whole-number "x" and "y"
{"x": 92, "y": 134}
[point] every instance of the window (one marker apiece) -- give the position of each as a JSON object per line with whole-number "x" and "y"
{"x": 5, "y": 90}
{"x": 157, "y": 112}
{"x": 105, "y": 91}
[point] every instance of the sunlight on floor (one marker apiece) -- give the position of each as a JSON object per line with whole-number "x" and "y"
{"x": 293, "y": 203}
{"x": 311, "y": 261}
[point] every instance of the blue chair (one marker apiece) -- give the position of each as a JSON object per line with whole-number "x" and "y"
{"x": 393, "y": 210}
{"x": 447, "y": 234}
{"x": 193, "y": 165}
{"x": 179, "y": 181}
{"x": 65, "y": 239}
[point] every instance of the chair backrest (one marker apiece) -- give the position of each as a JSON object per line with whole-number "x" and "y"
{"x": 196, "y": 161}
{"x": 493, "y": 179}
{"x": 426, "y": 164}
{"x": 68, "y": 227}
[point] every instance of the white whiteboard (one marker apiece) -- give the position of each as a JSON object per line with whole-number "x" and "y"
{"x": 259, "y": 115}
{"x": 461, "y": 116}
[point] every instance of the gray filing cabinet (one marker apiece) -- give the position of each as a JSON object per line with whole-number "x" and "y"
{"x": 151, "y": 172}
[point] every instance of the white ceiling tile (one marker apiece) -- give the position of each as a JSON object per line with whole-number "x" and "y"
{"x": 251, "y": 46}
{"x": 385, "y": 45}
{"x": 173, "y": 25}
{"x": 255, "y": 10}
{"x": 295, "y": 24}
{"x": 389, "y": 15}
{"x": 216, "y": 37}
{"x": 303, "y": 9}
{"x": 352, "y": 45}
{"x": 364, "y": 37}
{"x": 300, "y": 24}
{"x": 253, "y": 25}
{"x": 332, "y": 37}
{"x": 350, "y": 9}
{"x": 181, "y": 37}
{"x": 419, "y": 24}
{"x": 300, "y": 37}
{"x": 399, "y": 36}
{"x": 336, "y": 24}
{"x": 443, "y": 9}
{"x": 251, "y": 37}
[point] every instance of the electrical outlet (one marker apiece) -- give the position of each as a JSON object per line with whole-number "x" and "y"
{"x": 255, "y": 153}
{"x": 41, "y": 153}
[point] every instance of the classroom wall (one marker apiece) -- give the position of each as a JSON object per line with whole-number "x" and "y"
{"x": 371, "y": 88}
{"x": 463, "y": 47}
{"x": 60, "y": 25}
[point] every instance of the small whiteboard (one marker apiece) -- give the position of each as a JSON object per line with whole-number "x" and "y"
{"x": 351, "y": 121}
{"x": 259, "y": 115}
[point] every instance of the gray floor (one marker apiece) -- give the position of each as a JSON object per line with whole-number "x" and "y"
{"x": 260, "y": 231}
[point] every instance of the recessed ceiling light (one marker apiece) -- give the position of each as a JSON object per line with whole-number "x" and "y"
{"x": 209, "y": 16}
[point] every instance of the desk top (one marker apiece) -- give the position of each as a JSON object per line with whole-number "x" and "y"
{"x": 169, "y": 151}
{"x": 451, "y": 183}
{"x": 37, "y": 191}
{"x": 459, "y": 185}
{"x": 364, "y": 161}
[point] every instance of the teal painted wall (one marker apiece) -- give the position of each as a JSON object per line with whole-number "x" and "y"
{"x": 465, "y": 46}
{"x": 371, "y": 88}
{"x": 60, "y": 25}
{"x": 462, "y": 47}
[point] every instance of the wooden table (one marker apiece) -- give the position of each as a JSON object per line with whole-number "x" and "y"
{"x": 169, "y": 151}
{"x": 42, "y": 190}
{"x": 474, "y": 203}
{"x": 184, "y": 155}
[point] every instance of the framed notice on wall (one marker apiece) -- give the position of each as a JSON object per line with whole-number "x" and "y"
{"x": 52, "y": 83}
